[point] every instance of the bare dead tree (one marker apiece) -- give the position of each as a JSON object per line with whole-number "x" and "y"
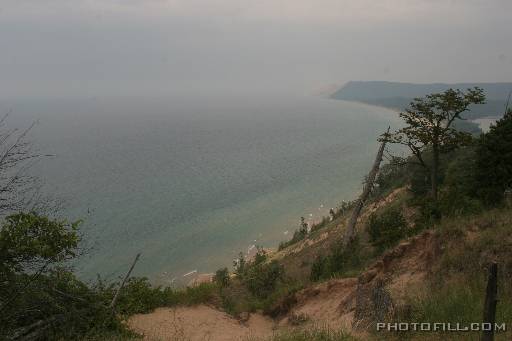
{"x": 19, "y": 189}
{"x": 116, "y": 296}
{"x": 350, "y": 231}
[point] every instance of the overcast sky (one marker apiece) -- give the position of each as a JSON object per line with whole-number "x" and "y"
{"x": 83, "y": 48}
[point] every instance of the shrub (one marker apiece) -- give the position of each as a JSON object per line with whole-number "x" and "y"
{"x": 202, "y": 293}
{"x": 453, "y": 203}
{"x": 461, "y": 172}
{"x": 222, "y": 277}
{"x": 239, "y": 264}
{"x": 60, "y": 306}
{"x": 139, "y": 296}
{"x": 37, "y": 294}
{"x": 261, "y": 279}
{"x": 339, "y": 261}
{"x": 30, "y": 242}
{"x": 298, "y": 235}
{"x": 391, "y": 175}
{"x": 387, "y": 228}
{"x": 260, "y": 256}
{"x": 322, "y": 223}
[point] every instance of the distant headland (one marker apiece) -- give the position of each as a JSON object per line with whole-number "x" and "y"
{"x": 398, "y": 95}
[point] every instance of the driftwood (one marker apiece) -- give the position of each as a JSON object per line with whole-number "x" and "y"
{"x": 350, "y": 231}
{"x": 490, "y": 303}
{"x": 116, "y": 296}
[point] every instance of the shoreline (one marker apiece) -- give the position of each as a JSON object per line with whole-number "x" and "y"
{"x": 194, "y": 277}
{"x": 313, "y": 215}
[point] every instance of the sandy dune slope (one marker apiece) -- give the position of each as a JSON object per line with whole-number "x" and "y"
{"x": 198, "y": 323}
{"x": 345, "y": 303}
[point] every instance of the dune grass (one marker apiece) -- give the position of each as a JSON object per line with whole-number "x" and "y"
{"x": 313, "y": 334}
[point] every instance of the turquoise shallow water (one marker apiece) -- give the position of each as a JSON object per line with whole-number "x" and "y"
{"x": 189, "y": 182}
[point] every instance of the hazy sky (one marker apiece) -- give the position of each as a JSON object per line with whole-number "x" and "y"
{"x": 63, "y": 48}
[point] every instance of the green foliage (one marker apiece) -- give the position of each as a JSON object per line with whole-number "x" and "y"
{"x": 262, "y": 286}
{"x": 386, "y": 228}
{"x": 262, "y": 279}
{"x": 453, "y": 203}
{"x": 38, "y": 296}
{"x": 34, "y": 289}
{"x": 139, "y": 296}
{"x": 63, "y": 307}
{"x": 29, "y": 242}
{"x": 456, "y": 302}
{"x": 391, "y": 175}
{"x": 419, "y": 179}
{"x": 240, "y": 264}
{"x": 260, "y": 256}
{"x": 494, "y": 161}
{"x": 429, "y": 124}
{"x": 222, "y": 277}
{"x": 202, "y": 293}
{"x": 338, "y": 262}
{"x": 456, "y": 287}
{"x": 257, "y": 285}
{"x": 429, "y": 212}
{"x": 457, "y": 194}
{"x": 282, "y": 299}
{"x": 460, "y": 173}
{"x": 313, "y": 334}
{"x": 320, "y": 268}
{"x": 321, "y": 224}
{"x": 458, "y": 183}
{"x": 298, "y": 235}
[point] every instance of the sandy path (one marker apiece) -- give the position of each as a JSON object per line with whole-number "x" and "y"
{"x": 198, "y": 323}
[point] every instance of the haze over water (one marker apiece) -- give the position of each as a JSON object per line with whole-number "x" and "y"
{"x": 191, "y": 182}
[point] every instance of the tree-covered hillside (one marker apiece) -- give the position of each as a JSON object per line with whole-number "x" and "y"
{"x": 398, "y": 95}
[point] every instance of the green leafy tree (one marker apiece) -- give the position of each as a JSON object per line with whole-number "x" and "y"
{"x": 494, "y": 161}
{"x": 429, "y": 125}
{"x": 30, "y": 242}
{"x": 37, "y": 295}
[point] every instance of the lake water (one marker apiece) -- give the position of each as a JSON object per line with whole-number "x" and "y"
{"x": 191, "y": 182}
{"x": 486, "y": 122}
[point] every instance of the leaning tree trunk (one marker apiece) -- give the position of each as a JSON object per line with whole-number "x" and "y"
{"x": 350, "y": 231}
{"x": 116, "y": 296}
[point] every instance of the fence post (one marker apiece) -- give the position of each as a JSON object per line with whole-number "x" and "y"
{"x": 490, "y": 302}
